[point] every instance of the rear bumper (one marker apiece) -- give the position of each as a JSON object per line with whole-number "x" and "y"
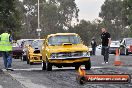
{"x": 112, "y": 50}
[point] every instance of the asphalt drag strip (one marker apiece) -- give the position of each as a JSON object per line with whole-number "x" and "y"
{"x": 7, "y": 81}
{"x": 65, "y": 77}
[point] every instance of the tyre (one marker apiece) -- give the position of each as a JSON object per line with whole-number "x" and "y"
{"x": 24, "y": 58}
{"x": 43, "y": 65}
{"x": 77, "y": 67}
{"x": 88, "y": 65}
{"x": 48, "y": 66}
{"x": 31, "y": 63}
{"x": 27, "y": 61}
{"x": 126, "y": 52}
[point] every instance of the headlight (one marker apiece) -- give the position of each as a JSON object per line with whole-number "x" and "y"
{"x": 53, "y": 55}
{"x": 86, "y": 54}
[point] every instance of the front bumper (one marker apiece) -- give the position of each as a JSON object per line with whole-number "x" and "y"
{"x": 35, "y": 58}
{"x": 69, "y": 60}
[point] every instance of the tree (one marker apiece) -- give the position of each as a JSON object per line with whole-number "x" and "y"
{"x": 128, "y": 13}
{"x": 55, "y": 15}
{"x": 112, "y": 13}
{"x": 9, "y": 16}
{"x": 87, "y": 30}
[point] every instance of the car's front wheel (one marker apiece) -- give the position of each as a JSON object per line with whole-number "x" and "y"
{"x": 27, "y": 61}
{"x": 24, "y": 58}
{"x": 31, "y": 63}
{"x": 77, "y": 67}
{"x": 126, "y": 52}
{"x": 43, "y": 65}
{"x": 48, "y": 66}
{"x": 88, "y": 65}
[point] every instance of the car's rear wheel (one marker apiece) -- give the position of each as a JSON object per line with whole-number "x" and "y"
{"x": 48, "y": 66}
{"x": 24, "y": 58}
{"x": 27, "y": 61}
{"x": 88, "y": 65}
{"x": 43, "y": 65}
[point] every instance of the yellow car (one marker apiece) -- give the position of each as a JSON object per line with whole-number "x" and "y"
{"x": 33, "y": 52}
{"x": 63, "y": 50}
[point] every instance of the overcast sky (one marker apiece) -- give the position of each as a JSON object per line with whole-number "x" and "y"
{"x": 89, "y": 9}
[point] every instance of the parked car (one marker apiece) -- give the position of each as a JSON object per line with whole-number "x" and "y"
{"x": 24, "y": 43}
{"x": 33, "y": 52}
{"x": 90, "y": 50}
{"x": 99, "y": 47}
{"x": 125, "y": 46}
{"x": 63, "y": 50}
{"x": 17, "y": 51}
{"x": 113, "y": 46}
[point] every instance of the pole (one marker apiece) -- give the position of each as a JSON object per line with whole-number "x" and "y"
{"x": 38, "y": 22}
{"x": 38, "y": 14}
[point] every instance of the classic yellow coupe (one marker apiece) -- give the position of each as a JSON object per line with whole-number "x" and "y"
{"x": 33, "y": 52}
{"x": 64, "y": 50}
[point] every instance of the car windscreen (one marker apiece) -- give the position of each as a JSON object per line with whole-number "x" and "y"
{"x": 15, "y": 45}
{"x": 128, "y": 41}
{"x": 29, "y": 42}
{"x": 37, "y": 43}
{"x": 60, "y": 39}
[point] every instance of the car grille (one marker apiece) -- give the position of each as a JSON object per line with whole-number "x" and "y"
{"x": 69, "y": 54}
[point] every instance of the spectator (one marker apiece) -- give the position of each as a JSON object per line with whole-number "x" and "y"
{"x": 93, "y": 44}
{"x": 106, "y": 40}
{"x": 6, "y": 49}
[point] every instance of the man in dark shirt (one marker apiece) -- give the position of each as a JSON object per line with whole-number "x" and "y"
{"x": 93, "y": 44}
{"x": 106, "y": 40}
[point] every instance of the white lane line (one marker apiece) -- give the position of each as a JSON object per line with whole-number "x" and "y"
{"x": 1, "y": 86}
{"x": 63, "y": 68}
{"x": 26, "y": 81}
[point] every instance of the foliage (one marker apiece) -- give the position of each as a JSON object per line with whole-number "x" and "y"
{"x": 113, "y": 15}
{"x": 55, "y": 16}
{"x": 128, "y": 13}
{"x": 9, "y": 15}
{"x": 87, "y": 30}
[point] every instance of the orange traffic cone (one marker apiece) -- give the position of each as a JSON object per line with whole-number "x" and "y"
{"x": 117, "y": 59}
